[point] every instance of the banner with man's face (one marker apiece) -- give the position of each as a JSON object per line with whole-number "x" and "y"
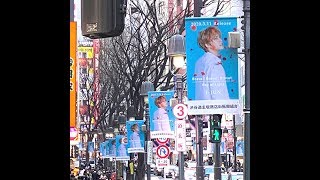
{"x": 112, "y": 147}
{"x": 122, "y": 148}
{"x": 136, "y": 137}
{"x": 161, "y": 116}
{"x": 90, "y": 146}
{"x": 212, "y": 67}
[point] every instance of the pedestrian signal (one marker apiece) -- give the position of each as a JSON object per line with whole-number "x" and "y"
{"x": 216, "y": 135}
{"x": 215, "y": 128}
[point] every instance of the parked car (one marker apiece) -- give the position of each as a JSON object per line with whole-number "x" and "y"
{"x": 170, "y": 171}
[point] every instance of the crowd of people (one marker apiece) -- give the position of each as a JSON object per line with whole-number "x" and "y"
{"x": 88, "y": 172}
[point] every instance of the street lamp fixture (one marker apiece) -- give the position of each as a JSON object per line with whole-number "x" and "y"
{"x": 176, "y": 51}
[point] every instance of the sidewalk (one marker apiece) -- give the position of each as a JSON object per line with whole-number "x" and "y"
{"x": 152, "y": 178}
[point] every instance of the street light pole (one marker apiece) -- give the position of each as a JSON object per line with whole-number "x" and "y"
{"x": 199, "y": 167}
{"x": 197, "y": 8}
{"x": 179, "y": 87}
{"x": 234, "y": 144}
{"x": 147, "y": 86}
{"x": 199, "y": 121}
{"x": 148, "y": 136}
{"x": 246, "y": 10}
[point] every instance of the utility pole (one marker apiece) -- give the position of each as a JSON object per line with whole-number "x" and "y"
{"x": 246, "y": 110}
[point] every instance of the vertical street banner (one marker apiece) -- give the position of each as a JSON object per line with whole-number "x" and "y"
{"x": 162, "y": 120}
{"x": 103, "y": 149}
{"x": 112, "y": 147}
{"x": 80, "y": 146}
{"x": 240, "y": 147}
{"x": 107, "y": 150}
{"x": 122, "y": 148}
{"x": 90, "y": 146}
{"x": 73, "y": 67}
{"x": 136, "y": 137}
{"x": 180, "y": 143}
{"x": 212, "y": 67}
{"x": 222, "y": 147}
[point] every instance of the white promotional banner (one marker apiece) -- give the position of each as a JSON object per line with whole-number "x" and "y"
{"x": 180, "y": 135}
{"x": 197, "y": 107}
{"x": 149, "y": 152}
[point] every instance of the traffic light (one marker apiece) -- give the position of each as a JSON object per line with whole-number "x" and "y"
{"x": 102, "y": 18}
{"x": 215, "y": 128}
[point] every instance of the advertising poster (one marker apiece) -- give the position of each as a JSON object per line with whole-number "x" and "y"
{"x": 73, "y": 67}
{"x": 112, "y": 147}
{"x": 240, "y": 148}
{"x": 103, "y": 149}
{"x": 222, "y": 147}
{"x": 122, "y": 148}
{"x": 162, "y": 119}
{"x": 80, "y": 146}
{"x": 90, "y": 146}
{"x": 212, "y": 67}
{"x": 136, "y": 137}
{"x": 107, "y": 150}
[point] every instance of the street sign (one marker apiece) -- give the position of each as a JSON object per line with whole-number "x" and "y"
{"x": 180, "y": 136}
{"x": 163, "y": 151}
{"x": 149, "y": 152}
{"x": 180, "y": 111}
{"x": 162, "y": 162}
{"x": 162, "y": 140}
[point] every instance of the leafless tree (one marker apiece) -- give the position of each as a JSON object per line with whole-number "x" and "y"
{"x": 139, "y": 54}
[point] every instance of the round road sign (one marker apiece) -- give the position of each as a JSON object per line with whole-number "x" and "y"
{"x": 180, "y": 111}
{"x": 163, "y": 151}
{"x": 162, "y": 140}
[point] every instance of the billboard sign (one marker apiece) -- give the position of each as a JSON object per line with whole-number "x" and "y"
{"x": 212, "y": 67}
{"x": 122, "y": 148}
{"x": 136, "y": 136}
{"x": 73, "y": 67}
{"x": 161, "y": 115}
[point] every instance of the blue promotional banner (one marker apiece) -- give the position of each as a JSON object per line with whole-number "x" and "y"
{"x": 212, "y": 67}
{"x": 222, "y": 147}
{"x": 240, "y": 147}
{"x": 136, "y": 137}
{"x": 103, "y": 149}
{"x": 161, "y": 116}
{"x": 90, "y": 146}
{"x": 112, "y": 147}
{"x": 80, "y": 146}
{"x": 122, "y": 146}
{"x": 107, "y": 150}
